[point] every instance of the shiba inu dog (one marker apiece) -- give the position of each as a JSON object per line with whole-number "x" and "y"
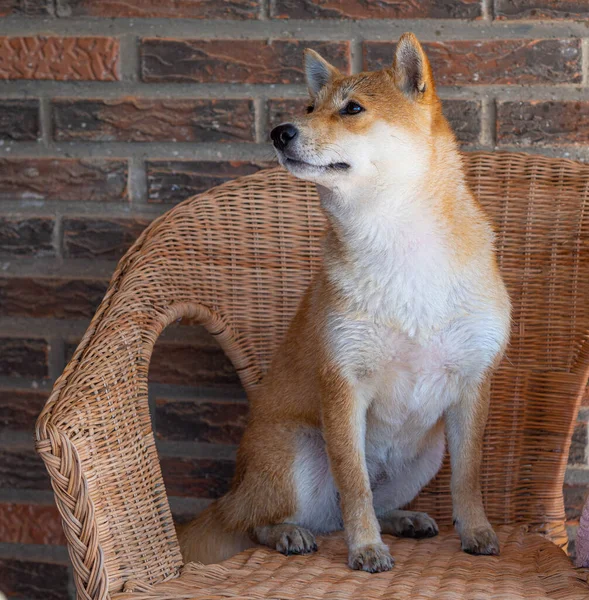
{"x": 394, "y": 342}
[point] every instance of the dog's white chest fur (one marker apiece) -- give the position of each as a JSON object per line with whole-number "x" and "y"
{"x": 419, "y": 330}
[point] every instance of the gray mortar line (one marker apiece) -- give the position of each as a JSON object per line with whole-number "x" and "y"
{"x": 45, "y": 121}
{"x": 35, "y": 553}
{"x": 585, "y": 60}
{"x": 192, "y": 91}
{"x": 261, "y": 153}
{"x": 488, "y": 122}
{"x": 260, "y": 120}
{"x": 83, "y": 269}
{"x": 129, "y": 63}
{"x": 207, "y": 151}
{"x": 356, "y": 56}
{"x": 487, "y": 10}
{"x": 196, "y": 450}
{"x": 296, "y": 29}
{"x": 137, "y": 181}
{"x": 56, "y": 358}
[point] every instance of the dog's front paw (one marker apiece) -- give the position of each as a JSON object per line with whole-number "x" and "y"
{"x": 482, "y": 540}
{"x": 373, "y": 558}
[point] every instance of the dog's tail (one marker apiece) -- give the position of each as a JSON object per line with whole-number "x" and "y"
{"x": 206, "y": 540}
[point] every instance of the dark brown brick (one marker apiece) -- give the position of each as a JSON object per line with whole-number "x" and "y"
{"x": 578, "y": 450}
{"x": 376, "y": 9}
{"x": 465, "y": 118}
{"x": 22, "y": 469}
{"x": 585, "y": 399}
{"x": 541, "y": 9}
{"x": 34, "y": 580}
{"x": 84, "y": 179}
{"x": 191, "y": 364}
{"x": 60, "y": 298}
{"x": 59, "y": 58}
{"x": 284, "y": 109}
{"x": 185, "y": 9}
{"x": 197, "y": 477}
{"x": 141, "y": 120}
{"x": 31, "y": 524}
{"x": 213, "y": 421}
{"x": 544, "y": 123}
{"x": 574, "y": 501}
{"x": 26, "y": 237}
{"x": 171, "y": 181}
{"x": 19, "y": 120}
{"x": 26, "y": 8}
{"x": 100, "y": 238}
{"x": 19, "y": 409}
{"x": 233, "y": 61}
{"x": 506, "y": 62}
{"x": 23, "y": 358}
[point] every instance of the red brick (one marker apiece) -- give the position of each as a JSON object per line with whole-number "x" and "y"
{"x": 82, "y": 180}
{"x": 26, "y": 8}
{"x": 544, "y": 123}
{"x": 22, "y": 469}
{"x": 19, "y": 409}
{"x": 23, "y": 358}
{"x": 185, "y": 9}
{"x": 19, "y": 120}
{"x": 26, "y": 236}
{"x": 541, "y": 9}
{"x": 233, "y": 61}
{"x": 376, "y": 9}
{"x": 585, "y": 400}
{"x": 197, "y": 477}
{"x": 59, "y": 58}
{"x": 505, "y": 62}
{"x": 61, "y": 298}
{"x": 574, "y": 501}
{"x": 31, "y": 524}
{"x": 100, "y": 238}
{"x": 212, "y": 421}
{"x": 171, "y": 181}
{"x": 191, "y": 364}
{"x": 141, "y": 120}
{"x": 34, "y": 580}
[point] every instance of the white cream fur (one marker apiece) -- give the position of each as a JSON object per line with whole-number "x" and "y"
{"x": 421, "y": 331}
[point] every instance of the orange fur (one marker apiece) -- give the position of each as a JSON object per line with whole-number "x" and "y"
{"x": 308, "y": 389}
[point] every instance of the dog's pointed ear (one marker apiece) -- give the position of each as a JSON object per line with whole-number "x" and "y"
{"x": 318, "y": 71}
{"x": 411, "y": 68}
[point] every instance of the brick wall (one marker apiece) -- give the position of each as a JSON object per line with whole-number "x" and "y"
{"x": 112, "y": 111}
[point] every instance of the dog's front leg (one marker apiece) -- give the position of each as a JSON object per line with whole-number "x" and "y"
{"x": 465, "y": 427}
{"x": 344, "y": 426}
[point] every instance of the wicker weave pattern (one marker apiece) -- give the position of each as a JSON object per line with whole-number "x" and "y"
{"x": 237, "y": 259}
{"x": 529, "y": 568}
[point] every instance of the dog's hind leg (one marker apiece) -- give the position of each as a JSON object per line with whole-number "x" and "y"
{"x": 402, "y": 486}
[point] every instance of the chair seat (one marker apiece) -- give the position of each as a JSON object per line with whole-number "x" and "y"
{"x": 529, "y": 567}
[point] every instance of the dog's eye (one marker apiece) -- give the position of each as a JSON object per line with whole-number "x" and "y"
{"x": 351, "y": 108}
{"x": 310, "y": 108}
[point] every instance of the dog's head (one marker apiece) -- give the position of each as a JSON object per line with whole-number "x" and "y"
{"x": 373, "y": 127}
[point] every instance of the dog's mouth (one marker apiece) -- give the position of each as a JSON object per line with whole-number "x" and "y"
{"x": 301, "y": 164}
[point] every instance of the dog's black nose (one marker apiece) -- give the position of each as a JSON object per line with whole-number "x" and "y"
{"x": 283, "y": 134}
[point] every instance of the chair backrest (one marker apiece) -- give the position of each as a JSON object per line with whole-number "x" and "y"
{"x": 237, "y": 258}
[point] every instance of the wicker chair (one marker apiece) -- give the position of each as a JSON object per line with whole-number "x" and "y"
{"x": 237, "y": 259}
